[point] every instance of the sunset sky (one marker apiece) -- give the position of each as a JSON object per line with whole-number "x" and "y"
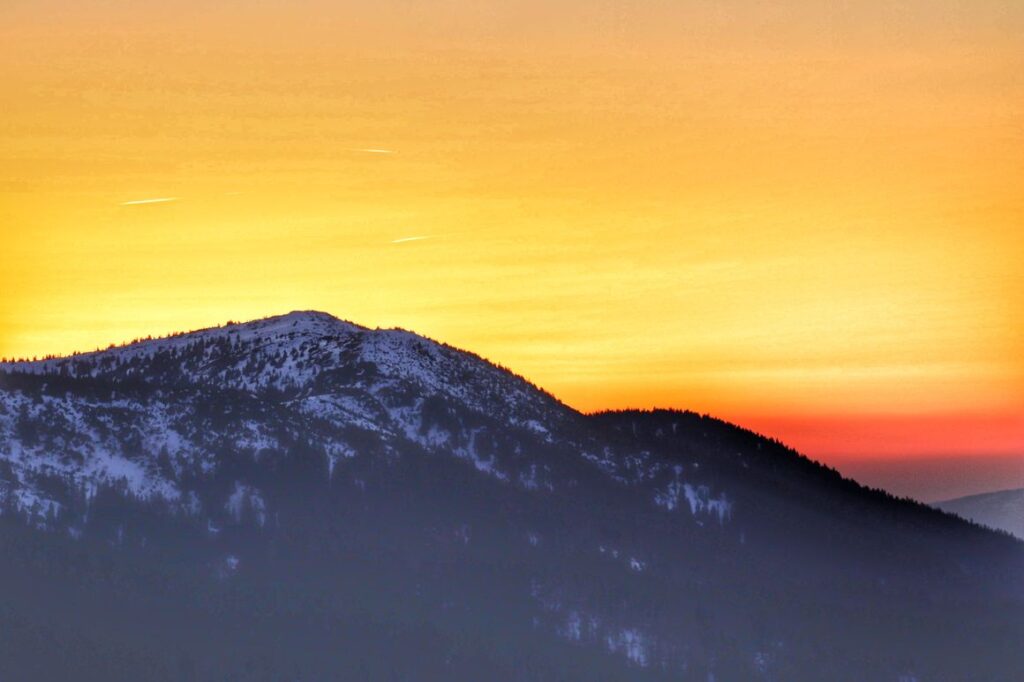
{"x": 806, "y": 217}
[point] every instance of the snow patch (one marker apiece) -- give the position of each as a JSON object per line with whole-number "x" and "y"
{"x": 698, "y": 498}
{"x": 247, "y": 499}
{"x": 631, "y": 643}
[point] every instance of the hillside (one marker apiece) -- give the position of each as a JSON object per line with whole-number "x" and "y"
{"x": 304, "y": 498}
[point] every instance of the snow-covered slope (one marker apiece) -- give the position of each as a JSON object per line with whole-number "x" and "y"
{"x": 304, "y": 375}
{"x": 304, "y": 353}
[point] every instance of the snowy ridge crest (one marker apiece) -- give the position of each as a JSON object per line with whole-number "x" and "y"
{"x": 154, "y": 419}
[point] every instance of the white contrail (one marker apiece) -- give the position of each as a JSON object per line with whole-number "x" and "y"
{"x": 158, "y": 200}
{"x": 374, "y": 151}
{"x": 408, "y": 239}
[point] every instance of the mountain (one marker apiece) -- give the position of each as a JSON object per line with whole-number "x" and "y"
{"x": 1003, "y": 510}
{"x": 304, "y": 498}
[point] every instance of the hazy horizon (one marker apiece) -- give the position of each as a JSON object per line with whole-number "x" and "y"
{"x": 937, "y": 478}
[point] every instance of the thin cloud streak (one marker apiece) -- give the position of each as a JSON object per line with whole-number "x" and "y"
{"x": 408, "y": 239}
{"x": 374, "y": 151}
{"x": 157, "y": 200}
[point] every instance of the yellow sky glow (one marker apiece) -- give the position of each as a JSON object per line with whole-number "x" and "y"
{"x": 797, "y": 209}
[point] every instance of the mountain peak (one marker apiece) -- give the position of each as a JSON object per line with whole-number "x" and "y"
{"x": 308, "y": 314}
{"x": 310, "y": 354}
{"x": 313, "y": 321}
{"x": 297, "y": 323}
{"x": 302, "y": 317}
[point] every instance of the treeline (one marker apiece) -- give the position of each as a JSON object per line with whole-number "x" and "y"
{"x": 112, "y": 346}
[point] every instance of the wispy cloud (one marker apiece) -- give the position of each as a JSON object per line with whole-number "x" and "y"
{"x": 409, "y": 239}
{"x": 374, "y": 151}
{"x": 156, "y": 200}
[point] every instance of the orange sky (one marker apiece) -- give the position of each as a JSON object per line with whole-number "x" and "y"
{"x": 803, "y": 216}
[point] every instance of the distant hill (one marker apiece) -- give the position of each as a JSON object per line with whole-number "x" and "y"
{"x": 301, "y": 498}
{"x": 1003, "y": 510}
